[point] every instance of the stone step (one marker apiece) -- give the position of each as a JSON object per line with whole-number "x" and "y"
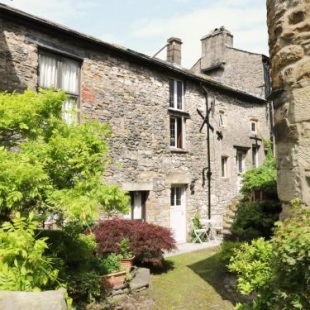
{"x": 141, "y": 279}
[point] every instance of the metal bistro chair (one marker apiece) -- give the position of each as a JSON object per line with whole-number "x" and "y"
{"x": 212, "y": 226}
{"x": 200, "y": 235}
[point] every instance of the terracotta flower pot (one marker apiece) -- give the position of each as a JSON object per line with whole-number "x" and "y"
{"x": 127, "y": 263}
{"x": 113, "y": 280}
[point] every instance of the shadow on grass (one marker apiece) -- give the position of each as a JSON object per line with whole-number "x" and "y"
{"x": 166, "y": 266}
{"x": 213, "y": 272}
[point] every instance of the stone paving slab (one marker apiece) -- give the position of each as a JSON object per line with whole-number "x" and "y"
{"x": 190, "y": 247}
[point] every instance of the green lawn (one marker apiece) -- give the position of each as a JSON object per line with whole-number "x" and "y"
{"x": 195, "y": 282}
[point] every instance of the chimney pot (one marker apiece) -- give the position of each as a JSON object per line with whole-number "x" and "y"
{"x": 174, "y": 50}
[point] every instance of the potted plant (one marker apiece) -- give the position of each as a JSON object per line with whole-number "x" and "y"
{"x": 127, "y": 256}
{"x": 113, "y": 275}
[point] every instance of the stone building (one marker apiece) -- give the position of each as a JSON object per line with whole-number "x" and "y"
{"x": 238, "y": 68}
{"x": 159, "y": 149}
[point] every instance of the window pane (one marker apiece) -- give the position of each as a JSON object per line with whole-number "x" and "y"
{"x": 224, "y": 166}
{"x": 70, "y": 76}
{"x": 47, "y": 71}
{"x": 255, "y": 156}
{"x": 253, "y": 126}
{"x": 69, "y": 111}
{"x": 172, "y": 131}
{"x": 171, "y": 93}
{"x": 178, "y": 195}
{"x": 179, "y": 95}
{"x": 172, "y": 195}
{"x": 179, "y": 133}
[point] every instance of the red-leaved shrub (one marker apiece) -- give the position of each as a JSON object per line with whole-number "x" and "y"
{"x": 147, "y": 241}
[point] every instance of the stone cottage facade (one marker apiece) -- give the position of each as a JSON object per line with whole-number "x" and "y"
{"x": 159, "y": 148}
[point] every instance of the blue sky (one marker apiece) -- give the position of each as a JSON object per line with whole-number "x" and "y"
{"x": 145, "y": 25}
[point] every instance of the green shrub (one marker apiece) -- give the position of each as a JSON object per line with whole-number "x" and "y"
{"x": 124, "y": 248}
{"x": 291, "y": 246}
{"x": 83, "y": 286}
{"x": 255, "y": 219}
{"x": 277, "y": 270}
{"x": 252, "y": 262}
{"x": 227, "y": 250}
{"x": 23, "y": 264}
{"x": 263, "y": 177}
{"x": 78, "y": 265}
{"x": 110, "y": 263}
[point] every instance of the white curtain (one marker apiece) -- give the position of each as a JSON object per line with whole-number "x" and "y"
{"x": 69, "y": 111}
{"x": 70, "y": 77}
{"x": 61, "y": 73}
{"x": 47, "y": 71}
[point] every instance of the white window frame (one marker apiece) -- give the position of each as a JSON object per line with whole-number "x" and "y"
{"x": 177, "y": 195}
{"x": 176, "y": 141}
{"x": 222, "y": 118}
{"x": 176, "y": 94}
{"x": 255, "y": 158}
{"x": 224, "y": 166}
{"x": 67, "y": 81}
{"x": 240, "y": 161}
{"x": 254, "y": 123}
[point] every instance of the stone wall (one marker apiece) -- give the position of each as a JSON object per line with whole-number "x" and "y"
{"x": 289, "y": 45}
{"x": 133, "y": 97}
{"x": 237, "y": 68}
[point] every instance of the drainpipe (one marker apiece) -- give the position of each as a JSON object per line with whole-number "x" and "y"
{"x": 209, "y": 172}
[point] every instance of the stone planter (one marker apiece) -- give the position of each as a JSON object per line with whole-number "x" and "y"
{"x": 113, "y": 280}
{"x": 127, "y": 263}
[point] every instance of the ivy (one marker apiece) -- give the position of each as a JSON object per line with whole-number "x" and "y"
{"x": 263, "y": 177}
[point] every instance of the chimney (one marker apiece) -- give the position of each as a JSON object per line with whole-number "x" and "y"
{"x": 214, "y": 47}
{"x": 174, "y": 50}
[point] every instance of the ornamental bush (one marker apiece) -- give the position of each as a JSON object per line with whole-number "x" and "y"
{"x": 24, "y": 266}
{"x": 147, "y": 241}
{"x": 277, "y": 270}
{"x": 255, "y": 219}
{"x": 76, "y": 260}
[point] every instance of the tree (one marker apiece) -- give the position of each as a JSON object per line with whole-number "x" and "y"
{"x": 50, "y": 167}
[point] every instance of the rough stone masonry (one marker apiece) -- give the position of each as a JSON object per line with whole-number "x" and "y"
{"x": 289, "y": 45}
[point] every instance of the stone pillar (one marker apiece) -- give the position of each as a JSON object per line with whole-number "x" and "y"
{"x": 174, "y": 50}
{"x": 289, "y": 46}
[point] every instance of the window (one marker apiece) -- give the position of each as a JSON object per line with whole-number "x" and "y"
{"x": 222, "y": 119}
{"x": 62, "y": 73}
{"x": 253, "y": 126}
{"x": 176, "y": 132}
{"x": 224, "y": 166}
{"x": 177, "y": 114}
{"x": 176, "y": 195}
{"x": 137, "y": 205}
{"x": 255, "y": 150}
{"x": 176, "y": 94}
{"x": 240, "y": 161}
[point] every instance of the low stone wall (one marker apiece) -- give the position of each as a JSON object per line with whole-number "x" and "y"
{"x": 51, "y": 300}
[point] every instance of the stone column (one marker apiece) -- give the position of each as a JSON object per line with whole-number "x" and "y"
{"x": 289, "y": 46}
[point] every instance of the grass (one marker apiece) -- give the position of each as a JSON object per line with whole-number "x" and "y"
{"x": 196, "y": 281}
